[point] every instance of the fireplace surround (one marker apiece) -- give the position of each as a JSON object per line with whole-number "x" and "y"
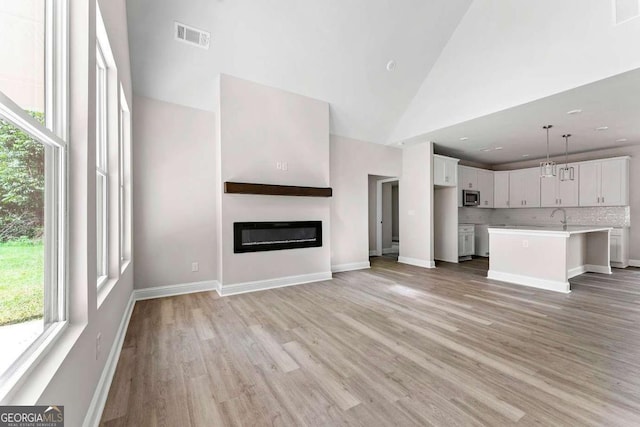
{"x": 274, "y": 236}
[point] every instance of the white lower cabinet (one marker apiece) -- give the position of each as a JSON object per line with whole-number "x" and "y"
{"x": 466, "y": 240}
{"x": 619, "y": 247}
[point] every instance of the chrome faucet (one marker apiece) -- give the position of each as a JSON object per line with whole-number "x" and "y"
{"x": 564, "y": 222}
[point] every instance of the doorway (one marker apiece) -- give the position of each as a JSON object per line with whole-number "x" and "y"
{"x": 384, "y": 220}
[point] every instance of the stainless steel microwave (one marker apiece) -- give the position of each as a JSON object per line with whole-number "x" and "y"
{"x": 470, "y": 198}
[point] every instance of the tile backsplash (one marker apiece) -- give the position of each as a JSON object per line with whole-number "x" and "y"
{"x": 474, "y": 216}
{"x": 609, "y": 216}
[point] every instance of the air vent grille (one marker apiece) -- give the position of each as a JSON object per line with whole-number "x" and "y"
{"x": 191, "y": 35}
{"x": 625, "y": 10}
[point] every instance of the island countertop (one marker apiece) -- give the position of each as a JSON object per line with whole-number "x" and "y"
{"x": 555, "y": 230}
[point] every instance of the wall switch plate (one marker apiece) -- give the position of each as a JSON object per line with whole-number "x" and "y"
{"x": 285, "y": 166}
{"x": 525, "y": 243}
{"x": 279, "y": 165}
{"x": 195, "y": 267}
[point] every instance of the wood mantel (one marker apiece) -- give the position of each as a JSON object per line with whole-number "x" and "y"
{"x": 276, "y": 190}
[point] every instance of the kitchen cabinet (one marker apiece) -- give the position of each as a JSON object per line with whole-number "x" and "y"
{"x": 557, "y": 193}
{"x": 445, "y": 171}
{"x": 468, "y": 178}
{"x": 619, "y": 247}
{"x": 524, "y": 188}
{"x": 466, "y": 241}
{"x": 501, "y": 189}
{"x": 477, "y": 180}
{"x": 604, "y": 182}
{"x": 485, "y": 187}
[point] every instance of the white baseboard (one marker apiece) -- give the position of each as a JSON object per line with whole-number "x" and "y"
{"x": 603, "y": 269}
{"x": 517, "y": 279}
{"x": 389, "y": 250}
{"x": 180, "y": 289}
{"x": 634, "y": 262}
{"x": 455, "y": 260}
{"x": 417, "y": 262}
{"x": 339, "y": 268}
{"x": 373, "y": 252}
{"x": 261, "y": 285}
{"x": 573, "y": 272}
{"x": 94, "y": 413}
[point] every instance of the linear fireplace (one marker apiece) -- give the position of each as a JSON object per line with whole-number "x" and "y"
{"x": 274, "y": 236}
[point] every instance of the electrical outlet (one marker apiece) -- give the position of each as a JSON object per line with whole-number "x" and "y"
{"x": 195, "y": 267}
{"x": 98, "y": 345}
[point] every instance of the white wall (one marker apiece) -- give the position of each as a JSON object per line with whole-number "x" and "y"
{"x": 352, "y": 162}
{"x": 174, "y": 218}
{"x": 70, "y": 372}
{"x": 505, "y": 54}
{"x": 445, "y": 224}
{"x": 387, "y": 212}
{"x": 260, "y": 126}
{"x": 395, "y": 212}
{"x": 416, "y": 205}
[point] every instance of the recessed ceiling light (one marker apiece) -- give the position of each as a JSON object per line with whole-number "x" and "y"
{"x": 621, "y": 140}
{"x": 498, "y": 148}
{"x": 525, "y": 155}
{"x": 602, "y": 128}
{"x": 391, "y": 65}
{"x": 576, "y": 111}
{"x": 464, "y": 138}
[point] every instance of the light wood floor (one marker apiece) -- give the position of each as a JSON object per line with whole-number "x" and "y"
{"x": 393, "y": 345}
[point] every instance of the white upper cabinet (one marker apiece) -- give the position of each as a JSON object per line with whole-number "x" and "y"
{"x": 557, "y": 193}
{"x": 524, "y": 188}
{"x": 604, "y": 182}
{"x": 445, "y": 171}
{"x": 501, "y": 189}
{"x": 468, "y": 178}
{"x": 485, "y": 187}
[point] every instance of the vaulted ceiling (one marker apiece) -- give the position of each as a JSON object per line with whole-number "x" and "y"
{"x": 333, "y": 50}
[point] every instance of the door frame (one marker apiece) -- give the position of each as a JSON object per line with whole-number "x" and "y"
{"x": 379, "y": 211}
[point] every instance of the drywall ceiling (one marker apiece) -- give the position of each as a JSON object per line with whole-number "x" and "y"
{"x": 332, "y": 50}
{"x": 613, "y": 102}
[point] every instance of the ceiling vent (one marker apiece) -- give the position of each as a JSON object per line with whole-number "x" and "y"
{"x": 192, "y": 36}
{"x": 625, "y": 10}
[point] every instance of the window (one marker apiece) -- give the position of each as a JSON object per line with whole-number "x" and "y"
{"x": 102, "y": 174}
{"x": 107, "y": 159}
{"x": 124, "y": 168}
{"x": 32, "y": 181}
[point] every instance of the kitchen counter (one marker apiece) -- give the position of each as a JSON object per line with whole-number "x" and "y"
{"x": 547, "y": 257}
{"x": 571, "y": 229}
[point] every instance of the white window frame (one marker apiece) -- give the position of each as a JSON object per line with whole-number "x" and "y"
{"x": 124, "y": 170}
{"x": 102, "y": 166}
{"x": 54, "y": 136}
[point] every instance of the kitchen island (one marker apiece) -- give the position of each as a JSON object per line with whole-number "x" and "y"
{"x": 547, "y": 257}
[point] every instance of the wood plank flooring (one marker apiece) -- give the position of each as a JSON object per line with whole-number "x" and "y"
{"x": 393, "y": 345}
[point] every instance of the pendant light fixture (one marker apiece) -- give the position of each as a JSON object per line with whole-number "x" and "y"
{"x": 567, "y": 172}
{"x": 547, "y": 168}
